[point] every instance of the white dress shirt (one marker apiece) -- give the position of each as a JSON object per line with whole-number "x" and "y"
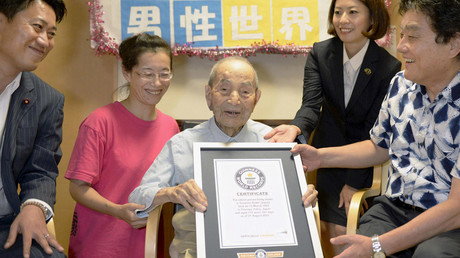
{"x": 351, "y": 68}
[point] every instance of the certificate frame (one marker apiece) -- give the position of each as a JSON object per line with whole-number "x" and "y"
{"x": 208, "y": 173}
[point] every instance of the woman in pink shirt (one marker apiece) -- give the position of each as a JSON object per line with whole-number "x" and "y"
{"x": 115, "y": 145}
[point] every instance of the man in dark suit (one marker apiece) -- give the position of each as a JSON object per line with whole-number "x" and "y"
{"x": 31, "y": 115}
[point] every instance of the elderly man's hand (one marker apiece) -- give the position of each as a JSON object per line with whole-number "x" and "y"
{"x": 189, "y": 195}
{"x": 310, "y": 196}
{"x": 356, "y": 246}
{"x": 31, "y": 224}
{"x": 283, "y": 133}
{"x": 309, "y": 155}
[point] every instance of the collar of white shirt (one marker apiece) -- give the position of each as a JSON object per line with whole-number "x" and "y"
{"x": 357, "y": 59}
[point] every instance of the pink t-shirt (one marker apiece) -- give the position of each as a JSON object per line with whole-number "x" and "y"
{"x": 113, "y": 150}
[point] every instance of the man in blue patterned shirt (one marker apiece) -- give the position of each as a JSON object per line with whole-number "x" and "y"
{"x": 418, "y": 128}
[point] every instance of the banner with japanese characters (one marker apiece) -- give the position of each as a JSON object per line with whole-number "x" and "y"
{"x": 223, "y": 23}
{"x": 211, "y": 24}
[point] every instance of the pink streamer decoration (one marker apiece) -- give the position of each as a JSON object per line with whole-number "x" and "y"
{"x": 255, "y": 48}
{"x": 104, "y": 43}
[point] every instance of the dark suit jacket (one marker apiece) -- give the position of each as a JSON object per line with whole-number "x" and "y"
{"x": 33, "y": 134}
{"x": 323, "y": 87}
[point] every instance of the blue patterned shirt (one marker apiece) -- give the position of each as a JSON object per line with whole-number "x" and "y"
{"x": 423, "y": 140}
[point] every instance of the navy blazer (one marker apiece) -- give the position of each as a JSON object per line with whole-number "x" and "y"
{"x": 31, "y": 148}
{"x": 324, "y": 88}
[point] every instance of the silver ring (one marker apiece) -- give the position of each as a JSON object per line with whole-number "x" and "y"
{"x": 47, "y": 235}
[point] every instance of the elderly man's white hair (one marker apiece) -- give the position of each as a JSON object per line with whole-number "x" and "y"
{"x": 212, "y": 75}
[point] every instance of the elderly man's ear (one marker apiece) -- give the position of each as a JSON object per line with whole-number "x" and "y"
{"x": 258, "y": 94}
{"x": 208, "y": 94}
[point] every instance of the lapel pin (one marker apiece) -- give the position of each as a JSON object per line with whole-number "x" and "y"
{"x": 367, "y": 71}
{"x": 26, "y": 101}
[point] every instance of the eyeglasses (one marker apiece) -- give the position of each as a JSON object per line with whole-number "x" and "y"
{"x": 163, "y": 76}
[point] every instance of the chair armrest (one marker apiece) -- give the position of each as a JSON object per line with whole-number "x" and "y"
{"x": 51, "y": 228}
{"x": 151, "y": 232}
{"x": 355, "y": 205}
{"x": 361, "y": 195}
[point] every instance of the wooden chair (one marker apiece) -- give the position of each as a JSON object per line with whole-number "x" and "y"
{"x": 377, "y": 188}
{"x": 151, "y": 234}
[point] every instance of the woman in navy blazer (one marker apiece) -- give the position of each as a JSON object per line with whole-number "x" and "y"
{"x": 342, "y": 105}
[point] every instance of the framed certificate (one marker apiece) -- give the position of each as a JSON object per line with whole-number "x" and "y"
{"x": 255, "y": 207}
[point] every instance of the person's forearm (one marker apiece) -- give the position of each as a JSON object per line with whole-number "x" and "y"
{"x": 90, "y": 198}
{"x": 439, "y": 219}
{"x": 357, "y": 155}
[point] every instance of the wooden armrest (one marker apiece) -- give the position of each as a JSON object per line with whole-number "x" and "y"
{"x": 151, "y": 232}
{"x": 360, "y": 196}
{"x": 51, "y": 228}
{"x": 355, "y": 205}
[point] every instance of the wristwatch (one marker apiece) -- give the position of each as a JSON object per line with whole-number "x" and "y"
{"x": 377, "y": 248}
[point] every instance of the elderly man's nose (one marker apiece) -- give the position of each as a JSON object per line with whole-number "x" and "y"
{"x": 234, "y": 97}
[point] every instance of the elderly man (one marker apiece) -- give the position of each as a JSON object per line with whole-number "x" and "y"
{"x": 231, "y": 93}
{"x": 418, "y": 129}
{"x": 31, "y": 114}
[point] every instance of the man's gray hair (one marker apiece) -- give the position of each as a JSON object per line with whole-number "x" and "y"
{"x": 212, "y": 75}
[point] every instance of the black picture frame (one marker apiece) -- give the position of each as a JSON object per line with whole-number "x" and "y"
{"x": 207, "y": 224}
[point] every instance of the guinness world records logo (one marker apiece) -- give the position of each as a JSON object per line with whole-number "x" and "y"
{"x": 250, "y": 178}
{"x": 260, "y": 253}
